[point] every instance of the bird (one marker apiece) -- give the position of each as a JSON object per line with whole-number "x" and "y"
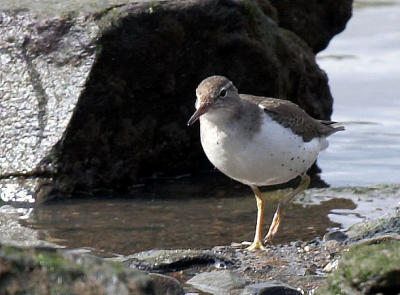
{"x": 258, "y": 141}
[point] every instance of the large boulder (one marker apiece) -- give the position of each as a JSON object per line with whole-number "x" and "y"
{"x": 97, "y": 95}
{"x": 313, "y": 20}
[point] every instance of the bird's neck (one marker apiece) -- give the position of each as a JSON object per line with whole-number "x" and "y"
{"x": 243, "y": 115}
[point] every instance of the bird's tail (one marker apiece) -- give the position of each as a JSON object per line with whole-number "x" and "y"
{"x": 333, "y": 126}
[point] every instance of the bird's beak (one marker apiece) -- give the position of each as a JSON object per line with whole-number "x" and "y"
{"x": 200, "y": 111}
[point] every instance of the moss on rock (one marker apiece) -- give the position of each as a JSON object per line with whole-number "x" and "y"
{"x": 366, "y": 269}
{"x": 49, "y": 271}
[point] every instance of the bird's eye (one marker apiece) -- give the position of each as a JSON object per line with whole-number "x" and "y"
{"x": 222, "y": 93}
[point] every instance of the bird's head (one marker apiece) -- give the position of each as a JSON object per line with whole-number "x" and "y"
{"x": 215, "y": 94}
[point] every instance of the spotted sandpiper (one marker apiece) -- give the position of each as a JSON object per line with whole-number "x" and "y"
{"x": 258, "y": 141}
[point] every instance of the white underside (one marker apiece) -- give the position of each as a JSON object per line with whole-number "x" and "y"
{"x": 274, "y": 155}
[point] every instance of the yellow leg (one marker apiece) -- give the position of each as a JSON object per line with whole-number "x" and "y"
{"x": 257, "y": 243}
{"x": 276, "y": 221}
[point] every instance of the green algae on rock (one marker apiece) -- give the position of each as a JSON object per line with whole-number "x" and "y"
{"x": 366, "y": 269}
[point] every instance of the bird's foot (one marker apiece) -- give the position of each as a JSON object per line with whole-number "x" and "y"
{"x": 268, "y": 239}
{"x": 273, "y": 229}
{"x": 256, "y": 245}
{"x": 271, "y": 234}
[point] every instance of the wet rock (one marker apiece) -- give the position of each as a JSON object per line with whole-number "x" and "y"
{"x": 173, "y": 260}
{"x": 96, "y": 96}
{"x": 218, "y": 282}
{"x": 270, "y": 288}
{"x": 313, "y": 20}
{"x": 374, "y": 228}
{"x": 366, "y": 269}
{"x": 46, "y": 271}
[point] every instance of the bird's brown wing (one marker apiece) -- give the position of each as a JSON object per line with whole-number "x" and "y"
{"x": 290, "y": 115}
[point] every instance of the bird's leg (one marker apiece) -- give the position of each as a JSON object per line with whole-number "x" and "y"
{"x": 276, "y": 221}
{"x": 257, "y": 243}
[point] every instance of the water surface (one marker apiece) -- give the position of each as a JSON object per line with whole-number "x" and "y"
{"x": 125, "y": 226}
{"x": 363, "y": 66}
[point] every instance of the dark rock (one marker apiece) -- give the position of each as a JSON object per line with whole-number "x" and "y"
{"x": 138, "y": 127}
{"x": 270, "y": 288}
{"x": 316, "y": 22}
{"x": 336, "y": 235}
{"x": 165, "y": 285}
{"x": 217, "y": 281}
{"x": 105, "y": 90}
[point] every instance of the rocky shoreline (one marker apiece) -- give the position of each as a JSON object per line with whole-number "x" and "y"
{"x": 362, "y": 259}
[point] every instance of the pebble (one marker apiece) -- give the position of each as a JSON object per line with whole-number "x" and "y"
{"x": 332, "y": 265}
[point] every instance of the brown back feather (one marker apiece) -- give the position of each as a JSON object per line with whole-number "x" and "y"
{"x": 290, "y": 115}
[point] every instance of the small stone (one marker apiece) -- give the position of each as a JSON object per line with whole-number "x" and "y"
{"x": 217, "y": 281}
{"x": 166, "y": 285}
{"x": 332, "y": 245}
{"x": 236, "y": 245}
{"x": 270, "y": 288}
{"x": 297, "y": 243}
{"x": 332, "y": 265}
{"x": 335, "y": 235}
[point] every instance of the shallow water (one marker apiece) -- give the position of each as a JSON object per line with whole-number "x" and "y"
{"x": 126, "y": 226}
{"x": 210, "y": 217}
{"x": 363, "y": 65}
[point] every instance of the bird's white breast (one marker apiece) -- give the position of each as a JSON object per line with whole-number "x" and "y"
{"x": 271, "y": 156}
